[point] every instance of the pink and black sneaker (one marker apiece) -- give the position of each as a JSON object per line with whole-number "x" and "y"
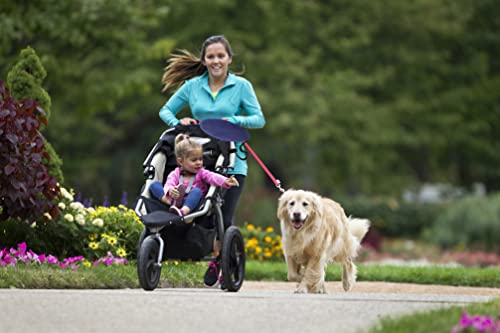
{"x": 212, "y": 274}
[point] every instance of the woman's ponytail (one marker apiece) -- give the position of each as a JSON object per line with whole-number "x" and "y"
{"x": 181, "y": 67}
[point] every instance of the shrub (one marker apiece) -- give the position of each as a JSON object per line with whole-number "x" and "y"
{"x": 25, "y": 81}
{"x": 26, "y": 188}
{"x": 393, "y": 218}
{"x": 262, "y": 243}
{"x": 91, "y": 232}
{"x": 471, "y": 222}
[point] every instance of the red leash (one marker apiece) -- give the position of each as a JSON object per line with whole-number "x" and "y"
{"x": 276, "y": 182}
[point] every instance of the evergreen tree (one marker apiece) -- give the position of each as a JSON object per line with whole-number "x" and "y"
{"x": 25, "y": 81}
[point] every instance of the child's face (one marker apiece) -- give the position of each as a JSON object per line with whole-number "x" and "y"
{"x": 193, "y": 162}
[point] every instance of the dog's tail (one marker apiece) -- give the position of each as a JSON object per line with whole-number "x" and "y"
{"x": 358, "y": 227}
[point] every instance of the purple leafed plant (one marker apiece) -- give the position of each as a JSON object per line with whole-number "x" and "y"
{"x": 26, "y": 188}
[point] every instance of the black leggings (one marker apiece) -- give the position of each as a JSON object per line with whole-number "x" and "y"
{"x": 231, "y": 201}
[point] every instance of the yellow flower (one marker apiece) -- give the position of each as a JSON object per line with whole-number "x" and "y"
{"x": 250, "y": 227}
{"x": 93, "y": 245}
{"x": 121, "y": 252}
{"x": 112, "y": 241}
{"x": 270, "y": 229}
{"x": 258, "y": 250}
{"x": 87, "y": 263}
{"x": 268, "y": 239}
{"x": 93, "y": 237}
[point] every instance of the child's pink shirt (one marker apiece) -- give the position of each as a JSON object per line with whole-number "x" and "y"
{"x": 202, "y": 178}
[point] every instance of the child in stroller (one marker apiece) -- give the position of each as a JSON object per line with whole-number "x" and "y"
{"x": 187, "y": 183}
{"x": 169, "y": 235}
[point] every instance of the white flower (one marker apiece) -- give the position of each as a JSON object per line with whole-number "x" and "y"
{"x": 98, "y": 222}
{"x": 66, "y": 194}
{"x": 33, "y": 225}
{"x": 47, "y": 215}
{"x": 76, "y": 205}
{"x": 91, "y": 210}
{"x": 69, "y": 217}
{"x": 62, "y": 205}
{"x": 80, "y": 219}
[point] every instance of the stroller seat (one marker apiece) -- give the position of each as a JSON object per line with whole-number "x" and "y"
{"x": 192, "y": 240}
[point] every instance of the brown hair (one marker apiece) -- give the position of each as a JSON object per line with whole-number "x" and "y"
{"x": 184, "y": 65}
{"x": 184, "y": 145}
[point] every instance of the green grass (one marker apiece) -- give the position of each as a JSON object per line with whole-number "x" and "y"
{"x": 452, "y": 276}
{"x": 442, "y": 320}
{"x": 190, "y": 275}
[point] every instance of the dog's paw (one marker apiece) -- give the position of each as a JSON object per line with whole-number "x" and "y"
{"x": 347, "y": 285}
{"x": 301, "y": 289}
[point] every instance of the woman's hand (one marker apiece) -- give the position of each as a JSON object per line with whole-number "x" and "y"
{"x": 188, "y": 121}
{"x": 231, "y": 181}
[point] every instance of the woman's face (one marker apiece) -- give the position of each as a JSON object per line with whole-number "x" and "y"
{"x": 217, "y": 60}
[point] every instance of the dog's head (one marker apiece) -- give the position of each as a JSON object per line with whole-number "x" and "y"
{"x": 298, "y": 207}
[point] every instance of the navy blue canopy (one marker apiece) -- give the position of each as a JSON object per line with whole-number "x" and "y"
{"x": 224, "y": 130}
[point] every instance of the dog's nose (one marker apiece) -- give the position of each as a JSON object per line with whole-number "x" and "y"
{"x": 296, "y": 216}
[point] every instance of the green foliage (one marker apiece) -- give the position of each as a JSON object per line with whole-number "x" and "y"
{"x": 440, "y": 320}
{"x": 393, "y": 218}
{"x": 25, "y": 81}
{"x": 26, "y": 77}
{"x": 262, "y": 244}
{"x": 472, "y": 222}
{"x": 26, "y": 188}
{"x": 78, "y": 231}
{"x": 352, "y": 91}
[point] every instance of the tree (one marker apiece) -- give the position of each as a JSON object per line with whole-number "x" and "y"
{"x": 25, "y": 81}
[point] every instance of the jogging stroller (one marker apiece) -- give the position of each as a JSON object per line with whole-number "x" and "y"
{"x": 190, "y": 237}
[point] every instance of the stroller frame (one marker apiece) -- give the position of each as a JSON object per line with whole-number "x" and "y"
{"x": 161, "y": 237}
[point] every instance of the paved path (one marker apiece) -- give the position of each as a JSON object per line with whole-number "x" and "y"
{"x": 255, "y": 309}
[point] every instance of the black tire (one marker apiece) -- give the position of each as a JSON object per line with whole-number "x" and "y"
{"x": 233, "y": 259}
{"x": 143, "y": 236}
{"x": 148, "y": 270}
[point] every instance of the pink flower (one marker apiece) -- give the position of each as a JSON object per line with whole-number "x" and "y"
{"x": 22, "y": 247}
{"x": 465, "y": 320}
{"x": 41, "y": 258}
{"x": 51, "y": 259}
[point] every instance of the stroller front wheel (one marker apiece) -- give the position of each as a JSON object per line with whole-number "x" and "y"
{"x": 233, "y": 259}
{"x": 148, "y": 269}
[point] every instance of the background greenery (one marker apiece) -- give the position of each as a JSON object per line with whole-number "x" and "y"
{"x": 363, "y": 100}
{"x": 360, "y": 97}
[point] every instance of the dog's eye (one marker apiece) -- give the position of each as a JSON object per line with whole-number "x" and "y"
{"x": 292, "y": 203}
{"x": 305, "y": 204}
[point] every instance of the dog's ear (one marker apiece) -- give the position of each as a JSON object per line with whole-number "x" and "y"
{"x": 282, "y": 202}
{"x": 317, "y": 204}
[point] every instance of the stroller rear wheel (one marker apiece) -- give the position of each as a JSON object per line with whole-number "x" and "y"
{"x": 233, "y": 259}
{"x": 148, "y": 269}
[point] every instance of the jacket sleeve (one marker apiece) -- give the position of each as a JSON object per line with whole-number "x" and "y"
{"x": 213, "y": 178}
{"x": 175, "y": 103}
{"x": 254, "y": 117}
{"x": 172, "y": 180}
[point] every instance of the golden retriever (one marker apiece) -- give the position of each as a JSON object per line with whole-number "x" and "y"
{"x": 316, "y": 231}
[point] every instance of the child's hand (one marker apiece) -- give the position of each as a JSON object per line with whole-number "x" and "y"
{"x": 231, "y": 181}
{"x": 174, "y": 192}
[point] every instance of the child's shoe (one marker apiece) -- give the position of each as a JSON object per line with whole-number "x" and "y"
{"x": 175, "y": 210}
{"x": 212, "y": 273}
